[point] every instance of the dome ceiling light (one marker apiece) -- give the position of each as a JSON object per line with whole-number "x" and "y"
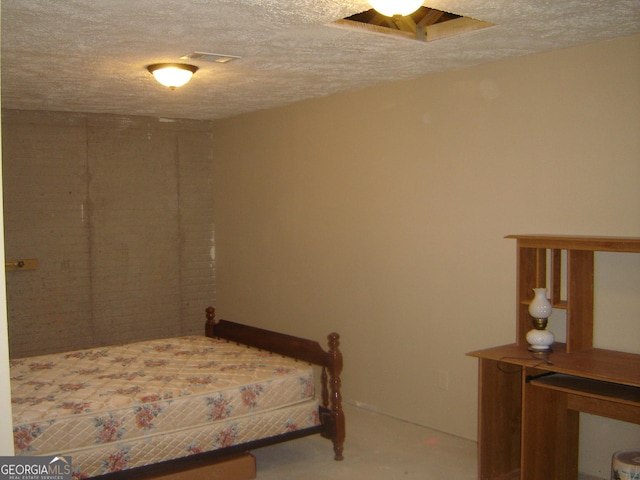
{"x": 172, "y": 75}
{"x": 393, "y": 8}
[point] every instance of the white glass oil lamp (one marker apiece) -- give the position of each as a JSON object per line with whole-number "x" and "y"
{"x": 539, "y": 338}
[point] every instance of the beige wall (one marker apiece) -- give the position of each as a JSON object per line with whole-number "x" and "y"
{"x": 380, "y": 214}
{"x": 118, "y": 212}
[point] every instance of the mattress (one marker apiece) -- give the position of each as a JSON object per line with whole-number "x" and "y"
{"x": 120, "y": 407}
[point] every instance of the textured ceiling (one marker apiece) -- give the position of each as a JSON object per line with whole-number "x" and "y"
{"x": 90, "y": 55}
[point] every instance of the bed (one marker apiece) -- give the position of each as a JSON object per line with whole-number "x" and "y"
{"x": 131, "y": 410}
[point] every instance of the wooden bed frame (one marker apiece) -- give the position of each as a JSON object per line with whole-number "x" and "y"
{"x": 332, "y": 416}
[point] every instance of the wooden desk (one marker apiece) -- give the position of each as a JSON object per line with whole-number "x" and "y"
{"x": 529, "y": 406}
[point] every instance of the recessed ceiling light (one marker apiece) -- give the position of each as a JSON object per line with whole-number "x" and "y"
{"x": 391, "y": 8}
{"x": 425, "y": 24}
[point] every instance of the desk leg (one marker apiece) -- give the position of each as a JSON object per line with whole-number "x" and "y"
{"x": 550, "y": 435}
{"x": 499, "y": 401}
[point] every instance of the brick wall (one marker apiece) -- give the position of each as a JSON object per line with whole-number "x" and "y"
{"x": 118, "y": 210}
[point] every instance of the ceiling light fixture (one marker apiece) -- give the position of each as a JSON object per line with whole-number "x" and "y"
{"x": 392, "y": 8}
{"x": 172, "y": 75}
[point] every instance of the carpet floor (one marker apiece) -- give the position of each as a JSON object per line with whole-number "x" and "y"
{"x": 377, "y": 448}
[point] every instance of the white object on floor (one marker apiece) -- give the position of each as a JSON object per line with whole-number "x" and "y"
{"x": 625, "y": 465}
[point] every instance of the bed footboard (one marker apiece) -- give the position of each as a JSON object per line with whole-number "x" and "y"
{"x": 331, "y": 415}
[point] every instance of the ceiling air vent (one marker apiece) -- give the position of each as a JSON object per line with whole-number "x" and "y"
{"x": 210, "y": 57}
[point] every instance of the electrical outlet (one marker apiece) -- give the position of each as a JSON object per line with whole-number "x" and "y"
{"x": 443, "y": 380}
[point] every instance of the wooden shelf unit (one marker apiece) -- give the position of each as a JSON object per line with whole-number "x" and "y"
{"x": 529, "y": 405}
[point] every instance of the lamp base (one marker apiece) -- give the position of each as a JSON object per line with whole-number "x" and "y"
{"x": 540, "y": 340}
{"x": 541, "y": 350}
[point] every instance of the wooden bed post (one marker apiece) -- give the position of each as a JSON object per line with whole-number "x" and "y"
{"x": 335, "y": 369}
{"x": 209, "y": 326}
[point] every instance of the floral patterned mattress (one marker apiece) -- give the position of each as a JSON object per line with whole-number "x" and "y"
{"x": 126, "y": 406}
